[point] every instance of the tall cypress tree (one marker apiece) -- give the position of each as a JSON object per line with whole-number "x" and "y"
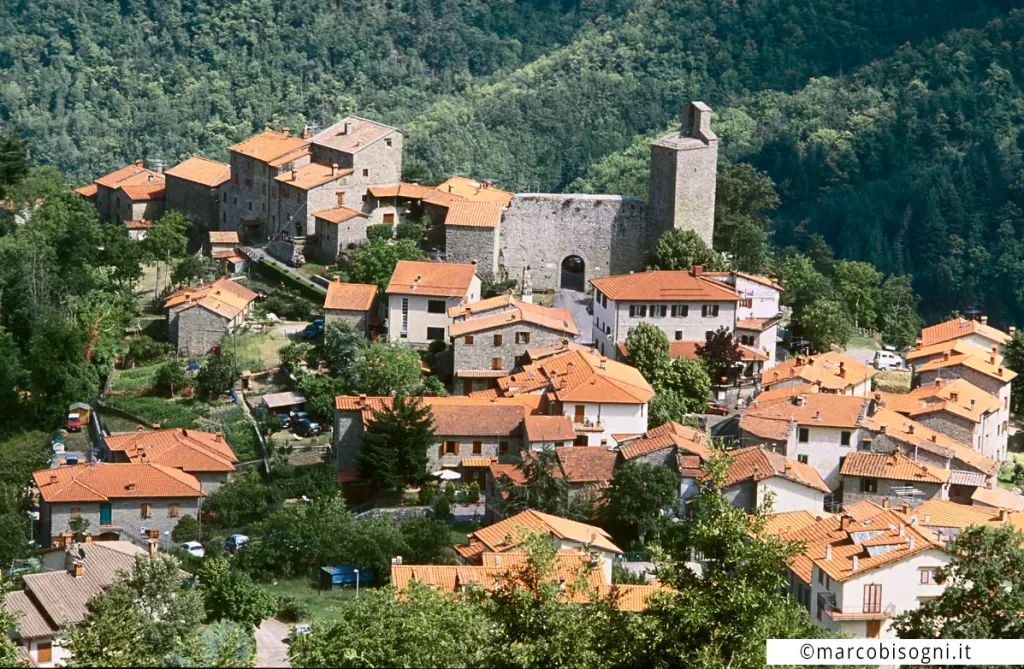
{"x": 396, "y": 442}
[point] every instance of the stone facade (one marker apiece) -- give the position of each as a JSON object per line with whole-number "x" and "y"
{"x": 357, "y": 319}
{"x": 854, "y": 490}
{"x": 197, "y": 201}
{"x": 484, "y": 353}
{"x": 125, "y": 515}
{"x": 198, "y": 330}
{"x": 465, "y": 245}
{"x": 333, "y": 237}
{"x": 137, "y": 210}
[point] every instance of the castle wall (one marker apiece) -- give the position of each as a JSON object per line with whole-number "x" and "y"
{"x": 465, "y": 244}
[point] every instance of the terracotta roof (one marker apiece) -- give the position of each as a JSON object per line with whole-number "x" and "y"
{"x": 763, "y": 280}
{"x": 960, "y": 392}
{"x": 988, "y": 364}
{"x": 434, "y": 279}
{"x": 352, "y": 134}
{"x": 289, "y": 158}
{"x": 561, "y": 346}
{"x": 350, "y": 296}
{"x": 202, "y": 171}
{"x": 442, "y": 199}
{"x": 339, "y": 215}
{"x": 402, "y": 190}
{"x": 790, "y": 521}
{"x": 154, "y": 190}
{"x": 893, "y": 466}
{"x": 578, "y": 376}
{"x": 225, "y": 290}
{"x": 666, "y": 286}
{"x": 89, "y": 190}
{"x": 138, "y": 225}
{"x": 475, "y": 191}
{"x": 458, "y": 415}
{"x": 499, "y": 302}
{"x": 60, "y": 599}
{"x": 549, "y": 428}
{"x": 999, "y": 498}
{"x": 819, "y": 409}
{"x": 550, "y": 318}
{"x": 755, "y": 324}
{"x": 189, "y": 450}
{"x": 507, "y": 533}
{"x": 910, "y": 432}
{"x": 767, "y": 397}
{"x": 474, "y": 214}
{"x": 955, "y": 346}
{"x": 756, "y": 463}
{"x": 834, "y": 371}
{"x": 631, "y": 597}
{"x": 130, "y": 174}
{"x": 224, "y": 308}
{"x": 587, "y": 464}
{"x": 312, "y": 175}
{"x": 224, "y": 237}
{"x": 269, "y": 145}
{"x": 476, "y": 462}
{"x": 668, "y": 435}
{"x": 959, "y": 327}
{"x": 943, "y": 513}
{"x": 104, "y": 481}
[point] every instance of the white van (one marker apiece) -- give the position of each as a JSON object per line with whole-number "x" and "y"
{"x": 888, "y": 360}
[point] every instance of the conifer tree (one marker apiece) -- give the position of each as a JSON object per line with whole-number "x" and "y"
{"x": 396, "y": 442}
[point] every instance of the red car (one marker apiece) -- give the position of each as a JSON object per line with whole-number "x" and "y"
{"x": 716, "y": 410}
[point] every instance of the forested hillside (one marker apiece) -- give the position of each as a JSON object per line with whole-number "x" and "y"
{"x": 526, "y": 93}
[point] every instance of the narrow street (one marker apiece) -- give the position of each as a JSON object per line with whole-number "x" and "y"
{"x": 256, "y": 254}
{"x": 271, "y": 650}
{"x": 576, "y": 302}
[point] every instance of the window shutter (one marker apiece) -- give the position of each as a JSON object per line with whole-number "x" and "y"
{"x": 703, "y": 310}
{"x": 632, "y": 310}
{"x": 456, "y": 448}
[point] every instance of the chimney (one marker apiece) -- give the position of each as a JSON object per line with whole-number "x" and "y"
{"x": 991, "y": 359}
{"x": 910, "y": 542}
{"x": 845, "y": 522}
{"x": 1003, "y": 515}
{"x": 973, "y": 403}
{"x": 842, "y": 371}
{"x": 945, "y": 355}
{"x": 569, "y": 367}
{"x": 334, "y": 169}
{"x": 828, "y": 551}
{"x": 903, "y": 530}
{"x": 984, "y": 320}
{"x": 53, "y": 479}
{"x": 757, "y": 473}
{"x": 698, "y": 270}
{"x": 307, "y": 132}
{"x": 604, "y": 362}
{"x": 999, "y": 371}
{"x": 855, "y": 560}
{"x": 130, "y": 486}
{"x": 218, "y": 436}
{"x": 153, "y": 545}
{"x": 817, "y": 416}
{"x": 910, "y": 428}
{"x": 149, "y": 177}
{"x": 953, "y": 397}
{"x": 906, "y": 508}
{"x": 927, "y": 517}
{"x": 935, "y": 438}
{"x": 938, "y": 383}
{"x": 883, "y": 429}
{"x": 286, "y": 130}
{"x": 885, "y": 501}
{"x": 138, "y": 163}
{"x": 295, "y": 174}
{"x": 918, "y": 345}
{"x": 346, "y": 128}
{"x": 995, "y": 350}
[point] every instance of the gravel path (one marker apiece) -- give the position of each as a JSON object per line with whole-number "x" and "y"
{"x": 271, "y": 650}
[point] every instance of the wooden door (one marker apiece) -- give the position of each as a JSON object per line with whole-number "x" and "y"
{"x": 579, "y": 413}
{"x": 874, "y": 629}
{"x": 389, "y": 218}
{"x": 44, "y": 652}
{"x": 467, "y": 386}
{"x": 873, "y": 598}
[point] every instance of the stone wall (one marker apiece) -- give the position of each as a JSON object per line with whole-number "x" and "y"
{"x": 609, "y": 232}
{"x": 125, "y": 514}
{"x": 887, "y": 488}
{"x": 334, "y": 237}
{"x": 479, "y": 354}
{"x": 194, "y": 330}
{"x": 464, "y": 245}
{"x": 197, "y": 201}
{"x": 742, "y": 495}
{"x": 286, "y": 252}
{"x": 953, "y": 426}
{"x": 142, "y": 210}
{"x": 357, "y": 319}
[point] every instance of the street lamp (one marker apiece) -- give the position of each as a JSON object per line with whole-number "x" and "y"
{"x": 357, "y": 583}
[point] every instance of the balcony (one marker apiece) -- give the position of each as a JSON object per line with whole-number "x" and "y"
{"x": 869, "y": 611}
{"x": 587, "y": 425}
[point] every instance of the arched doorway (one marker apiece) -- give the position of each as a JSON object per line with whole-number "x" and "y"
{"x": 574, "y": 274}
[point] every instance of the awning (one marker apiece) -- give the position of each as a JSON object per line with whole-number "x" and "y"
{"x": 476, "y": 462}
{"x": 961, "y": 477}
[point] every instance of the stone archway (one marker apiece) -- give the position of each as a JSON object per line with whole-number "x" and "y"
{"x": 574, "y": 273}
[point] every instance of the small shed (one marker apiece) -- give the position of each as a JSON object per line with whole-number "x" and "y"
{"x": 282, "y": 403}
{"x": 84, "y": 411}
{"x": 332, "y": 576}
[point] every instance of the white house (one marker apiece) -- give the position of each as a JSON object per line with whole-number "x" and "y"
{"x": 976, "y": 332}
{"x": 756, "y": 472}
{"x": 601, "y": 396}
{"x": 831, "y": 372}
{"x": 758, "y": 313}
{"x": 862, "y": 567}
{"x": 420, "y": 294}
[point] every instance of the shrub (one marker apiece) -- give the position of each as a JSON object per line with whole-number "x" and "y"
{"x": 427, "y": 495}
{"x": 145, "y": 350}
{"x": 443, "y": 507}
{"x": 170, "y": 377}
{"x": 288, "y": 305}
{"x": 379, "y": 232}
{"x": 411, "y": 230}
{"x": 473, "y": 493}
{"x": 292, "y": 610}
{"x": 186, "y": 529}
{"x": 449, "y": 492}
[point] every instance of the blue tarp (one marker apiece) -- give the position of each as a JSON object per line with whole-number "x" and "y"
{"x": 347, "y": 575}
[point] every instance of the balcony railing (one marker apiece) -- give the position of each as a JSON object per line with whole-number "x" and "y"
{"x": 868, "y": 612}
{"x": 588, "y": 425}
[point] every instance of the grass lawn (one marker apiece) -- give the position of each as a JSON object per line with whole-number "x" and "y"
{"x": 326, "y": 605}
{"x": 238, "y": 432}
{"x": 257, "y": 351}
{"x": 893, "y": 381}
{"x": 168, "y": 413}
{"x": 311, "y": 269}
{"x": 862, "y": 342}
{"x": 1006, "y": 471}
{"x": 133, "y": 379}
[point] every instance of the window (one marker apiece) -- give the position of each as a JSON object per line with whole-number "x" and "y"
{"x": 366, "y": 173}
{"x": 75, "y": 512}
{"x": 225, "y": 198}
{"x": 224, "y": 217}
{"x": 146, "y": 510}
{"x": 250, "y": 205}
{"x": 865, "y": 445}
{"x": 844, "y": 438}
{"x": 468, "y": 340}
{"x": 248, "y": 183}
{"x": 709, "y": 310}
{"x": 387, "y": 142}
{"x": 435, "y": 334}
{"x": 748, "y": 303}
{"x": 496, "y": 363}
{"x": 364, "y": 197}
{"x": 502, "y": 447}
{"x": 638, "y": 310}
{"x": 802, "y": 458}
{"x": 804, "y": 435}
{"x": 821, "y": 577}
{"x": 173, "y": 510}
{"x": 680, "y": 310}
{"x": 405, "y": 317}
{"x": 478, "y": 447}
{"x": 579, "y": 413}
{"x": 236, "y": 179}
{"x": 869, "y": 484}
{"x": 436, "y": 307}
{"x": 747, "y": 340}
{"x": 927, "y": 575}
{"x": 679, "y": 335}
{"x": 298, "y": 195}
{"x": 450, "y": 448}
{"x": 604, "y": 301}
{"x": 389, "y": 218}
{"x": 522, "y": 337}
{"x": 44, "y": 652}
{"x": 234, "y": 199}
{"x": 498, "y": 339}
{"x": 580, "y": 441}
{"x": 873, "y": 598}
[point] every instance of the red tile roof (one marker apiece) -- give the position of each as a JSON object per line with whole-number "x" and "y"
{"x": 154, "y": 190}
{"x": 311, "y": 175}
{"x": 473, "y": 214}
{"x": 475, "y": 191}
{"x": 688, "y": 350}
{"x": 509, "y": 532}
{"x": 904, "y": 430}
{"x": 550, "y": 318}
{"x": 88, "y": 191}
{"x": 819, "y": 409}
{"x": 960, "y": 327}
{"x": 339, "y": 215}
{"x": 666, "y": 286}
{"x": 131, "y": 174}
{"x": 352, "y": 134}
{"x": 432, "y": 279}
{"x": 138, "y": 225}
{"x": 756, "y": 463}
{"x": 105, "y": 481}
{"x": 580, "y": 376}
{"x": 668, "y": 435}
{"x": 402, "y": 190}
{"x": 892, "y": 466}
{"x": 999, "y": 498}
{"x": 587, "y": 464}
{"x": 190, "y": 450}
{"x": 988, "y": 364}
{"x": 202, "y": 171}
{"x": 549, "y": 428}
{"x": 834, "y": 371}
{"x": 350, "y": 296}
{"x": 269, "y": 145}
{"x": 224, "y": 237}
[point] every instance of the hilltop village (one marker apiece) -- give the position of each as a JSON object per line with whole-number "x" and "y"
{"x": 511, "y": 341}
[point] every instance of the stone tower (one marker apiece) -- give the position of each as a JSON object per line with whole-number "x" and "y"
{"x": 684, "y": 168}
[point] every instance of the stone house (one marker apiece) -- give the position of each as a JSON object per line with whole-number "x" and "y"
{"x": 831, "y": 372}
{"x": 862, "y": 567}
{"x": 371, "y": 150}
{"x": 137, "y": 230}
{"x": 677, "y": 447}
{"x": 490, "y": 338}
{"x": 890, "y": 476}
{"x": 120, "y": 500}
{"x": 352, "y": 303}
{"x": 199, "y": 317}
{"x": 998, "y": 498}
{"x": 756, "y": 472}
{"x": 56, "y": 598}
{"x": 470, "y": 231}
{"x": 686, "y": 306}
{"x": 303, "y": 191}
{"x": 142, "y": 201}
{"x": 420, "y": 295}
{"x": 222, "y": 242}
{"x": 977, "y": 332}
{"x": 193, "y": 188}
{"x": 948, "y": 519}
{"x": 115, "y": 206}
{"x": 339, "y": 228}
{"x": 601, "y": 396}
{"x": 394, "y": 203}
{"x": 542, "y": 432}
{"x": 206, "y": 456}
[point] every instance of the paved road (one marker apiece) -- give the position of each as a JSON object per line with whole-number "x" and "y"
{"x": 258, "y": 253}
{"x": 865, "y": 356}
{"x": 271, "y": 650}
{"x": 576, "y": 302}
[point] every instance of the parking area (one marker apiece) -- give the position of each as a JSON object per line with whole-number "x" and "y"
{"x": 577, "y": 304}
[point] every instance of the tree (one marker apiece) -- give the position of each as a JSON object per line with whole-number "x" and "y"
{"x": 195, "y": 269}
{"x": 10, "y": 655}
{"x": 13, "y": 539}
{"x": 1014, "y": 354}
{"x": 414, "y": 231}
{"x": 230, "y": 594}
{"x": 14, "y": 377}
{"x": 123, "y": 257}
{"x": 898, "y": 320}
{"x": 168, "y": 238}
{"x": 186, "y": 529}
{"x": 742, "y": 197}
{"x": 802, "y": 281}
{"x": 690, "y": 380}
{"x": 667, "y": 406}
{"x": 824, "y": 323}
{"x": 293, "y": 353}
{"x": 395, "y": 443}
{"x": 223, "y": 644}
{"x": 170, "y": 377}
{"x": 858, "y": 285}
{"x": 683, "y": 250}
{"x": 539, "y": 485}
{"x": 376, "y": 263}
{"x": 145, "y": 350}
{"x": 78, "y": 525}
{"x": 382, "y": 368}
{"x": 721, "y": 353}
{"x": 14, "y": 163}
{"x": 216, "y": 376}
{"x": 984, "y": 588}
{"x": 647, "y": 349}
{"x": 339, "y": 347}
{"x": 320, "y": 392}
{"x": 637, "y": 499}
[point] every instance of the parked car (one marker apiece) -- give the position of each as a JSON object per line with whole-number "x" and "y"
{"x": 194, "y": 548}
{"x": 307, "y": 428}
{"x": 260, "y": 293}
{"x": 70, "y": 460}
{"x": 235, "y": 541}
{"x": 717, "y": 410}
{"x": 888, "y": 360}
{"x": 314, "y": 329}
{"x": 74, "y": 422}
{"x": 298, "y": 630}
